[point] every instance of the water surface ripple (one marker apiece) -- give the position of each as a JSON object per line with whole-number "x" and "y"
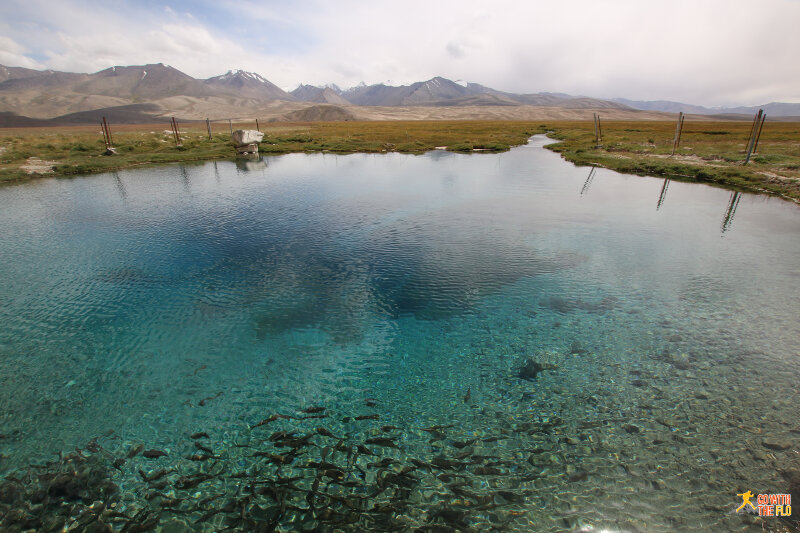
{"x": 147, "y": 305}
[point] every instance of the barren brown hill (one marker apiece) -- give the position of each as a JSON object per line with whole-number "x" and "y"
{"x": 318, "y": 113}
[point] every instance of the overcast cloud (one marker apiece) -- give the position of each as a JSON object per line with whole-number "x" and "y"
{"x": 717, "y": 52}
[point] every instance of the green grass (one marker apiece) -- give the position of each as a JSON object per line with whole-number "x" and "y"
{"x": 710, "y": 152}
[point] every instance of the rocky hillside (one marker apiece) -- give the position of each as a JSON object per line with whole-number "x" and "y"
{"x": 153, "y": 92}
{"x": 247, "y": 85}
{"x": 324, "y": 95}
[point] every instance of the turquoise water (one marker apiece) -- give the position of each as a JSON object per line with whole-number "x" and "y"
{"x": 146, "y": 305}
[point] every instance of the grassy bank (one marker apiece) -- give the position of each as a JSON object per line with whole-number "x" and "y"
{"x": 709, "y": 152}
{"x": 32, "y": 152}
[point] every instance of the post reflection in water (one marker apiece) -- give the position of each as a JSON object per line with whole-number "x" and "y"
{"x": 588, "y": 181}
{"x": 184, "y": 177}
{"x": 730, "y": 211}
{"x": 663, "y": 195}
{"x": 120, "y": 186}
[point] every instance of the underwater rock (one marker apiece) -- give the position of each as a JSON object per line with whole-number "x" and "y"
{"x": 578, "y": 476}
{"x": 530, "y": 370}
{"x": 775, "y": 444}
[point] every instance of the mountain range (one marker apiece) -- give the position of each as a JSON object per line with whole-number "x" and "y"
{"x": 147, "y": 93}
{"x": 772, "y": 109}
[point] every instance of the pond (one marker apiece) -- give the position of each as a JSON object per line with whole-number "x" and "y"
{"x": 373, "y": 342}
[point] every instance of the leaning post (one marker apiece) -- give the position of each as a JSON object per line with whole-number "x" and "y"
{"x": 755, "y": 146}
{"x": 208, "y": 127}
{"x": 177, "y": 133}
{"x": 596, "y": 131}
{"x": 105, "y": 133}
{"x": 752, "y": 141}
{"x": 678, "y": 129}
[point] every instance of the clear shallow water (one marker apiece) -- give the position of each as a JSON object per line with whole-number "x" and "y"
{"x": 162, "y": 302}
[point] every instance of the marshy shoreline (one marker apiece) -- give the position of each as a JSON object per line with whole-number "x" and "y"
{"x": 710, "y": 152}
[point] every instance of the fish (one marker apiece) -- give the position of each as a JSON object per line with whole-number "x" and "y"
{"x": 383, "y": 463}
{"x": 363, "y": 450}
{"x": 199, "y": 457}
{"x": 437, "y": 428}
{"x": 333, "y": 473}
{"x": 420, "y": 464}
{"x": 487, "y": 471}
{"x": 266, "y": 421}
{"x": 153, "y": 454}
{"x": 313, "y": 410}
{"x": 387, "y": 429}
{"x": 275, "y": 458}
{"x": 280, "y": 435}
{"x": 325, "y": 433}
{"x": 199, "y": 435}
{"x": 189, "y": 482}
{"x": 437, "y": 432}
{"x": 203, "y": 448}
{"x": 170, "y": 502}
{"x": 133, "y": 452}
{"x": 511, "y": 497}
{"x": 205, "y": 400}
{"x": 463, "y": 444}
{"x": 319, "y": 465}
{"x": 92, "y": 445}
{"x": 463, "y": 454}
{"x": 468, "y": 395}
{"x": 368, "y": 417}
{"x": 370, "y": 402}
{"x": 159, "y": 485}
{"x": 153, "y": 476}
{"x": 446, "y": 464}
{"x": 324, "y": 452}
{"x": 294, "y": 442}
{"x": 118, "y": 463}
{"x": 381, "y": 441}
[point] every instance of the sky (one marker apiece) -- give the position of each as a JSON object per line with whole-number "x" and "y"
{"x": 707, "y": 52}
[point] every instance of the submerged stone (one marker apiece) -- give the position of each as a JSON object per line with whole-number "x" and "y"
{"x": 530, "y": 370}
{"x": 776, "y": 444}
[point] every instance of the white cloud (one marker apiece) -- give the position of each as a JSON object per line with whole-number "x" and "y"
{"x": 14, "y": 54}
{"x": 712, "y": 52}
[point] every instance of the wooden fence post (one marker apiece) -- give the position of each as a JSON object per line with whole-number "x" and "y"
{"x": 106, "y": 134}
{"x": 678, "y": 130}
{"x": 208, "y": 127}
{"x": 596, "y": 130}
{"x": 230, "y": 124}
{"x": 755, "y": 146}
{"x": 752, "y": 141}
{"x": 257, "y": 128}
{"x": 177, "y": 133}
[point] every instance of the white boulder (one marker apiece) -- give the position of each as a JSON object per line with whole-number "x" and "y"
{"x": 246, "y": 137}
